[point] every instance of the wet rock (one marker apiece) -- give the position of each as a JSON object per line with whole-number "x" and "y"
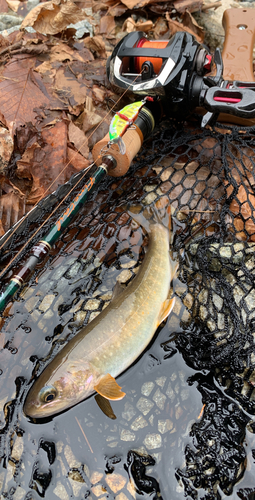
{"x": 153, "y": 441}
{"x": 159, "y": 399}
{"x": 139, "y": 423}
{"x": 126, "y": 435}
{"x": 115, "y": 481}
{"x": 144, "y": 405}
{"x": 129, "y": 411}
{"x": 147, "y": 387}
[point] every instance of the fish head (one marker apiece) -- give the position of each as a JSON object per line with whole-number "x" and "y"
{"x": 65, "y": 388}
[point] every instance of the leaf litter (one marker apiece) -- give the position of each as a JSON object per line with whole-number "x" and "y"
{"x": 54, "y": 91}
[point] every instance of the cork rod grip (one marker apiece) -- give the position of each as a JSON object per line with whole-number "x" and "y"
{"x": 239, "y": 26}
{"x": 133, "y": 140}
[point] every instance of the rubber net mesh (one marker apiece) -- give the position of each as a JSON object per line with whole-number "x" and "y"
{"x": 208, "y": 178}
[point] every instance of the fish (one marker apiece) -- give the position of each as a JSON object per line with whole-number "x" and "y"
{"x": 90, "y": 362}
{"x": 121, "y": 121}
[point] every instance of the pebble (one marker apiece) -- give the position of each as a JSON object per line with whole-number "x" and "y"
{"x": 115, "y": 481}
{"x": 165, "y": 425}
{"x": 159, "y": 399}
{"x": 250, "y": 300}
{"x": 46, "y": 302}
{"x": 60, "y": 491}
{"x": 144, "y": 405}
{"x": 18, "y": 448}
{"x": 147, "y": 387}
{"x": 139, "y": 423}
{"x": 153, "y": 441}
{"x": 129, "y": 412}
{"x": 92, "y": 304}
{"x": 126, "y": 435}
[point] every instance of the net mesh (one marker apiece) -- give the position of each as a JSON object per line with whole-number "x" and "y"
{"x": 208, "y": 178}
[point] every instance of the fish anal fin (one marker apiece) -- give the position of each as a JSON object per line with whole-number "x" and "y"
{"x": 166, "y": 308}
{"x": 105, "y": 406}
{"x": 108, "y": 388}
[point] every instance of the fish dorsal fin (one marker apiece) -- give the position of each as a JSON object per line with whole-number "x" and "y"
{"x": 108, "y": 388}
{"x": 105, "y": 406}
{"x": 166, "y": 308}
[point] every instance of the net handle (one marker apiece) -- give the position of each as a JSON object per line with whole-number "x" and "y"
{"x": 237, "y": 54}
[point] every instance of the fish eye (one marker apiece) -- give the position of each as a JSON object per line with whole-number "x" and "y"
{"x": 47, "y": 394}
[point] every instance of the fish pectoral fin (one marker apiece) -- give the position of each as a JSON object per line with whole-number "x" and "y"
{"x": 108, "y": 388}
{"x": 166, "y": 308}
{"x": 105, "y": 406}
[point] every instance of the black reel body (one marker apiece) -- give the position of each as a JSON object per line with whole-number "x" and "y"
{"x": 161, "y": 68}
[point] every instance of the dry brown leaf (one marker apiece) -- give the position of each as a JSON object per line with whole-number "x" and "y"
{"x": 76, "y": 161}
{"x": 191, "y": 5}
{"x": 3, "y": 6}
{"x": 68, "y": 88}
{"x": 174, "y": 27}
{"x": 44, "y": 162}
{"x": 13, "y": 4}
{"x": 78, "y": 138}
{"x": 12, "y": 208}
{"x": 130, "y": 4}
{"x": 21, "y": 92}
{"x": 96, "y": 45}
{"x": 130, "y": 25}
{"x": 89, "y": 119}
{"x": 107, "y": 25}
{"x": 53, "y": 17}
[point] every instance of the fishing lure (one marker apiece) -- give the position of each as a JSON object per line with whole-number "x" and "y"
{"x": 121, "y": 121}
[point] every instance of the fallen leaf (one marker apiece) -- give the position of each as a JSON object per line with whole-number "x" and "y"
{"x": 68, "y": 88}
{"x": 130, "y": 4}
{"x": 78, "y": 138}
{"x": 3, "y": 6}
{"x": 12, "y": 208}
{"x": 190, "y": 5}
{"x": 107, "y": 25}
{"x": 21, "y": 92}
{"x": 13, "y": 4}
{"x": 175, "y": 26}
{"x": 96, "y": 45}
{"x": 130, "y": 25}
{"x": 89, "y": 119}
{"x": 44, "y": 162}
{"x": 53, "y": 17}
{"x": 76, "y": 161}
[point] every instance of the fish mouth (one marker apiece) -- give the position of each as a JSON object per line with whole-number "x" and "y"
{"x": 35, "y": 409}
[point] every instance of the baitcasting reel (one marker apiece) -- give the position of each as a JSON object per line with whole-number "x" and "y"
{"x": 177, "y": 71}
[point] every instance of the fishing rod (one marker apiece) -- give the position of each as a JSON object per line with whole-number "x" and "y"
{"x": 126, "y": 134}
{"x": 173, "y": 77}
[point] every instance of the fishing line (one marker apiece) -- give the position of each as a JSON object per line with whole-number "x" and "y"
{"x": 69, "y": 192}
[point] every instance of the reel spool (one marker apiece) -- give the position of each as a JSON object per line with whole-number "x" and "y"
{"x": 162, "y": 68}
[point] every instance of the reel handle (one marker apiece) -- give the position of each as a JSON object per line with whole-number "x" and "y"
{"x": 133, "y": 139}
{"x": 237, "y": 54}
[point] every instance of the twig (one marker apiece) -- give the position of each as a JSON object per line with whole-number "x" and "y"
{"x": 214, "y": 5}
{"x": 83, "y": 434}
